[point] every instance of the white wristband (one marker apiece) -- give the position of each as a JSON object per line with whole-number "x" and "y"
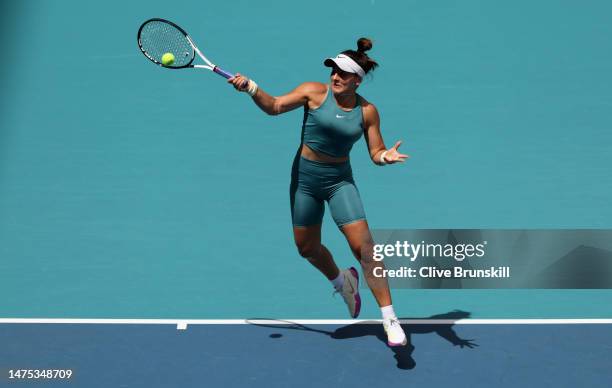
{"x": 252, "y": 88}
{"x": 382, "y": 157}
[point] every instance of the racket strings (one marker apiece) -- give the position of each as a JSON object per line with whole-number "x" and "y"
{"x": 158, "y": 38}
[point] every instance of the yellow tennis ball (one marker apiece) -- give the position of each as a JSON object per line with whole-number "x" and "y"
{"x": 167, "y": 59}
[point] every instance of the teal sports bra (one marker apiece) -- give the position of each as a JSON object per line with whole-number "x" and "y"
{"x": 331, "y": 130}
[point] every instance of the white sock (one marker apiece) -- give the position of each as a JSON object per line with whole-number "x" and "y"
{"x": 338, "y": 282}
{"x": 387, "y": 312}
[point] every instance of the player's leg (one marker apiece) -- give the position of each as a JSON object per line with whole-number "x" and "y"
{"x": 308, "y": 242}
{"x": 347, "y": 210}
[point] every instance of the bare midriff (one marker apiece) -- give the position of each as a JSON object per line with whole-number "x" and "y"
{"x": 311, "y": 154}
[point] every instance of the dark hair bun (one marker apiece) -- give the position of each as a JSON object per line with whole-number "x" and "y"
{"x": 364, "y": 44}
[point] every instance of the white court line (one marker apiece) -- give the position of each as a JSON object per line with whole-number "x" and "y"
{"x": 182, "y": 324}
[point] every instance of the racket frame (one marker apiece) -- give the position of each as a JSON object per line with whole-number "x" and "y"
{"x": 209, "y": 65}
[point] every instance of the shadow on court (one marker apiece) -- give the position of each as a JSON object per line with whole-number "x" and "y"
{"x": 402, "y": 354}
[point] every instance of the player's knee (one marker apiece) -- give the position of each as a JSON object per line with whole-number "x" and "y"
{"x": 363, "y": 252}
{"x": 308, "y": 250}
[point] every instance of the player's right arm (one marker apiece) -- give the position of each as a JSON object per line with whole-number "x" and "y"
{"x": 296, "y": 98}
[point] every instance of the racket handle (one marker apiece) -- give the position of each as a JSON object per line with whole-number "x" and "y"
{"x": 227, "y": 75}
{"x": 222, "y": 72}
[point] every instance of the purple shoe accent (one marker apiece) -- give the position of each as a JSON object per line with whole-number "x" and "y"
{"x": 357, "y": 297}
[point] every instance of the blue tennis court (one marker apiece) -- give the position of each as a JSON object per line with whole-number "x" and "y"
{"x": 313, "y": 354}
{"x": 128, "y": 191}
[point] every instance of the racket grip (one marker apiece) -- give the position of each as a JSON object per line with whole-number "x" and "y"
{"x": 222, "y": 72}
{"x": 227, "y": 75}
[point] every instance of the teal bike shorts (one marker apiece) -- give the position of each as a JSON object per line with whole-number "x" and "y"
{"x": 313, "y": 183}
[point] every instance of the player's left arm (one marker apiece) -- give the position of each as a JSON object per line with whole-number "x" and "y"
{"x": 378, "y": 152}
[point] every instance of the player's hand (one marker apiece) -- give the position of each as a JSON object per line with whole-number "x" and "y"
{"x": 392, "y": 156}
{"x": 240, "y": 82}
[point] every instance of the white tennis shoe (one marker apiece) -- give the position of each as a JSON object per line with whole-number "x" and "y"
{"x": 395, "y": 333}
{"x": 350, "y": 291}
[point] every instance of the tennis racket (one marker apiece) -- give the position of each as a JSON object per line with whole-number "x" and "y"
{"x": 157, "y": 37}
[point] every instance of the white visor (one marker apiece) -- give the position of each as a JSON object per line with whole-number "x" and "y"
{"x": 345, "y": 63}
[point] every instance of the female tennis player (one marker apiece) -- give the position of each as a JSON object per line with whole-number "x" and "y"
{"x": 335, "y": 117}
